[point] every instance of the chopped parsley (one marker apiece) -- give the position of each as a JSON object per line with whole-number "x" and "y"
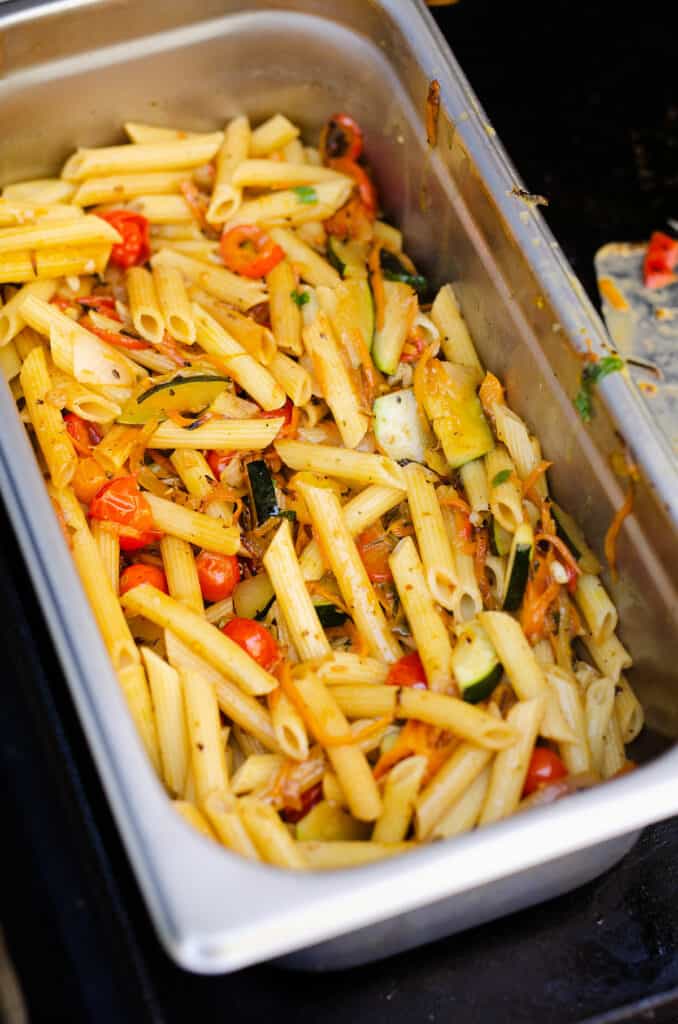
{"x": 590, "y": 375}
{"x": 306, "y": 194}
{"x": 300, "y": 298}
{"x": 501, "y": 477}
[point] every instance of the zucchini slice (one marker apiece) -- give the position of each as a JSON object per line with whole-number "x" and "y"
{"x": 455, "y": 412}
{"x": 394, "y": 269}
{"x": 401, "y": 431}
{"x": 262, "y": 491}
{"x": 253, "y": 597}
{"x": 500, "y": 539}
{"x": 349, "y": 258}
{"x": 329, "y": 614}
{"x": 179, "y": 393}
{"x": 400, "y": 306}
{"x": 569, "y": 532}
{"x": 475, "y": 664}
{"x": 522, "y": 549}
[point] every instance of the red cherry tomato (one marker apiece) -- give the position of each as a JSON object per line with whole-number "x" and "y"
{"x": 341, "y": 136}
{"x": 120, "y": 501}
{"x": 253, "y": 638}
{"x": 83, "y": 433}
{"x": 307, "y": 800}
{"x": 88, "y": 479}
{"x": 218, "y": 574}
{"x": 660, "y": 260}
{"x": 218, "y": 461}
{"x": 366, "y": 189}
{"x": 134, "y": 575}
{"x": 408, "y": 671}
{"x": 248, "y": 250}
{"x": 375, "y": 551}
{"x": 545, "y": 766}
{"x": 135, "y": 247}
{"x": 286, "y": 411}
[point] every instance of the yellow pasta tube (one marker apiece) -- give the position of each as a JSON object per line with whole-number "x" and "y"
{"x": 120, "y": 187}
{"x": 365, "y": 701}
{"x": 345, "y": 667}
{"x": 69, "y": 505}
{"x": 10, "y": 363}
{"x": 50, "y": 429}
{"x": 509, "y": 769}
{"x": 223, "y": 815}
{"x": 254, "y": 378}
{"x": 226, "y": 197}
{"x": 194, "y": 527}
{"x": 182, "y": 576}
{"x": 348, "y": 853}
{"x": 39, "y": 190}
{"x": 512, "y": 432}
{"x": 430, "y": 634}
{"x": 598, "y": 610}
{"x": 353, "y": 466}
{"x": 270, "y": 836}
{"x": 284, "y": 312}
{"x": 192, "y": 816}
{"x": 599, "y": 704}
{"x": 292, "y": 378}
{"x": 81, "y": 400}
{"x": 506, "y": 500}
{"x": 358, "y": 514}
{"x": 474, "y": 479}
{"x": 217, "y": 281}
{"x": 201, "y": 636}
{"x": 256, "y": 772}
{"x": 254, "y": 338}
{"x": 281, "y": 174}
{"x": 463, "y": 814}
{"x": 208, "y": 761}
{"x": 282, "y": 566}
{"x": 241, "y": 708}
{"x": 628, "y": 711}
{"x": 11, "y": 319}
{"x": 342, "y": 556}
{"x": 576, "y": 756}
{"x": 432, "y": 538}
{"x": 137, "y": 131}
{"x": 309, "y": 264}
{"x": 138, "y": 157}
{"x": 614, "y": 757}
{"x": 134, "y": 686}
{"x": 467, "y": 600}
{"x": 455, "y": 339}
{"x": 610, "y": 656}
{"x": 116, "y": 446}
{"x": 273, "y": 134}
{"x": 170, "y": 720}
{"x": 525, "y": 672}
{"x": 400, "y": 793}
{"x": 447, "y": 785}
{"x": 65, "y": 261}
{"x": 294, "y": 206}
{"x": 108, "y": 543}
{"x": 16, "y": 267}
{"x": 289, "y": 727}
{"x": 232, "y": 435}
{"x": 335, "y": 381}
{"x": 466, "y": 720}
{"x": 194, "y": 470}
{"x": 82, "y": 231}
{"x": 174, "y": 303}
{"x": 321, "y": 711}
{"x": 144, "y": 306}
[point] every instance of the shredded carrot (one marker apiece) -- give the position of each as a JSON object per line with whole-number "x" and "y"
{"x": 178, "y": 420}
{"x": 615, "y": 526}
{"x": 417, "y": 738}
{"x": 325, "y": 739}
{"x": 369, "y": 729}
{"x": 533, "y": 615}
{"x": 290, "y": 429}
{"x": 370, "y": 374}
{"x": 455, "y": 501}
{"x": 532, "y": 477}
{"x": 195, "y": 200}
{"x": 491, "y": 393}
{"x": 419, "y": 376}
{"x": 562, "y": 549}
{"x": 377, "y": 283}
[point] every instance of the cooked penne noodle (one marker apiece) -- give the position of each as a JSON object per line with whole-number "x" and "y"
{"x": 347, "y": 853}
{"x": 430, "y": 635}
{"x": 10, "y": 362}
{"x": 599, "y": 703}
{"x": 448, "y": 785}
{"x": 335, "y": 382}
{"x": 194, "y": 470}
{"x": 467, "y": 600}
{"x": 353, "y": 466}
{"x": 139, "y": 132}
{"x": 514, "y": 434}
{"x": 193, "y": 817}
{"x": 576, "y": 756}
{"x": 283, "y": 309}
{"x": 292, "y": 378}
{"x": 144, "y": 306}
{"x": 432, "y": 538}
{"x": 614, "y": 758}
{"x": 509, "y": 768}
{"x": 50, "y": 429}
{"x": 17, "y": 267}
{"x": 281, "y": 174}
{"x": 217, "y": 281}
{"x": 289, "y": 727}
{"x": 229, "y": 435}
{"x": 108, "y": 543}
{"x": 72, "y": 260}
{"x": 628, "y": 711}
{"x": 81, "y": 231}
{"x": 208, "y": 761}
{"x": 178, "y": 562}
{"x": 256, "y": 773}
{"x": 343, "y": 558}
{"x": 273, "y": 134}
{"x": 223, "y": 813}
{"x": 134, "y": 686}
{"x": 610, "y": 656}
{"x": 226, "y": 196}
{"x": 39, "y": 190}
{"x": 202, "y": 637}
{"x": 170, "y": 720}
{"x": 506, "y": 500}
{"x": 121, "y": 187}
{"x": 194, "y": 527}
{"x": 273, "y": 842}
{"x": 455, "y": 339}
{"x": 282, "y": 566}
{"x": 162, "y": 209}
{"x": 309, "y": 264}
{"x": 291, "y": 207}
{"x": 174, "y": 303}
{"x": 84, "y": 402}
{"x": 463, "y": 814}
{"x": 11, "y": 319}
{"x": 600, "y": 615}
{"x": 474, "y": 479}
{"x": 170, "y": 155}
{"x": 400, "y": 308}
{"x": 400, "y": 794}
{"x": 254, "y": 338}
{"x": 345, "y": 667}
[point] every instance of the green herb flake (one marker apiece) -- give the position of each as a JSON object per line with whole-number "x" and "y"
{"x": 590, "y": 375}
{"x": 306, "y": 194}
{"x": 300, "y": 298}
{"x": 501, "y": 477}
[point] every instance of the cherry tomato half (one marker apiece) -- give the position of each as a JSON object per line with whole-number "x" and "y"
{"x": 88, "y": 479}
{"x": 408, "y": 671}
{"x": 255, "y": 639}
{"x": 307, "y": 801}
{"x": 545, "y": 766}
{"x": 366, "y": 189}
{"x": 218, "y": 461}
{"x": 134, "y": 575}
{"x": 135, "y": 247}
{"x": 83, "y": 433}
{"x": 375, "y": 552}
{"x": 218, "y": 574}
{"x": 121, "y": 501}
{"x": 249, "y": 251}
{"x": 286, "y": 411}
{"x": 660, "y": 259}
{"x": 341, "y": 136}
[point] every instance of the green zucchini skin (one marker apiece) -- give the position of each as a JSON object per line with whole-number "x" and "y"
{"x": 181, "y": 393}
{"x": 500, "y": 539}
{"x": 264, "y": 497}
{"x": 475, "y": 663}
{"x": 348, "y": 258}
{"x": 484, "y": 687}
{"x": 394, "y": 270}
{"x": 520, "y": 559}
{"x": 329, "y": 615}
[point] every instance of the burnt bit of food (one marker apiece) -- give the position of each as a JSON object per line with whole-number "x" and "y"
{"x": 530, "y": 198}
{"x": 432, "y": 111}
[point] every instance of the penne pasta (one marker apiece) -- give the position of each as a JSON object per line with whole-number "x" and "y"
{"x": 166, "y": 155}
{"x": 353, "y": 466}
{"x": 230, "y": 435}
{"x": 432, "y": 537}
{"x": 174, "y": 303}
{"x": 50, "y": 429}
{"x": 455, "y": 339}
{"x": 170, "y": 719}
